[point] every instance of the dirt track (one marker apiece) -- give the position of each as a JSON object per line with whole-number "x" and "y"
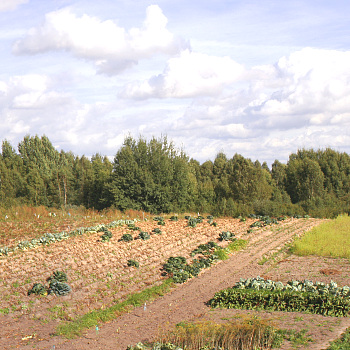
{"x": 187, "y": 301}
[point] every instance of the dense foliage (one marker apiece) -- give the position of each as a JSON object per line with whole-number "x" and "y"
{"x": 298, "y": 296}
{"x": 156, "y": 177}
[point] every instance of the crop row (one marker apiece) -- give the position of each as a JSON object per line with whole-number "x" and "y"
{"x": 48, "y": 238}
{"x": 306, "y": 296}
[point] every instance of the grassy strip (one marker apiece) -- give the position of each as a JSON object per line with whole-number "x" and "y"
{"x": 74, "y": 328}
{"x": 331, "y": 238}
{"x": 343, "y": 343}
{"x": 223, "y": 253}
{"x": 236, "y": 245}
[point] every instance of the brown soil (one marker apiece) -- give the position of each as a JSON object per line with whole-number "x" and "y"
{"x": 98, "y": 276}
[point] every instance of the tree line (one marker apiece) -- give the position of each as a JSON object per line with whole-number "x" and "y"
{"x": 155, "y": 176}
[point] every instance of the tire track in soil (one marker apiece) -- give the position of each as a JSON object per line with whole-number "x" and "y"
{"x": 187, "y": 301}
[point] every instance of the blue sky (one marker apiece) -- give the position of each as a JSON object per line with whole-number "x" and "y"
{"x": 258, "y": 78}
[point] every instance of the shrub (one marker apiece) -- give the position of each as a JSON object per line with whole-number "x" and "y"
{"x": 157, "y": 231}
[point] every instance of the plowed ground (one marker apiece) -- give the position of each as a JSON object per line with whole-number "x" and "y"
{"x": 98, "y": 275}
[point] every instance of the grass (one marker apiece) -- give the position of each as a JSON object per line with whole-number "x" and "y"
{"x": 263, "y": 260}
{"x": 297, "y": 338}
{"x": 221, "y": 253}
{"x": 236, "y": 245}
{"x": 343, "y": 343}
{"x": 74, "y": 328}
{"x": 330, "y": 239}
{"x": 5, "y": 311}
{"x": 252, "y": 333}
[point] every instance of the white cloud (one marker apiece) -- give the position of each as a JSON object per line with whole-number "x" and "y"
{"x": 309, "y": 87}
{"x": 10, "y": 5}
{"x": 111, "y": 47}
{"x": 190, "y": 74}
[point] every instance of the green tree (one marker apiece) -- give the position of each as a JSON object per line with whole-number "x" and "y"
{"x": 304, "y": 180}
{"x": 151, "y": 176}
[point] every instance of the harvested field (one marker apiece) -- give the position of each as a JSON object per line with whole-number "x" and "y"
{"x": 99, "y": 275}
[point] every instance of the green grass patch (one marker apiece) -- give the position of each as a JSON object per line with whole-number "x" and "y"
{"x": 74, "y": 328}
{"x": 221, "y": 253}
{"x": 5, "y": 311}
{"x": 343, "y": 343}
{"x": 297, "y": 338}
{"x": 330, "y": 239}
{"x": 236, "y": 245}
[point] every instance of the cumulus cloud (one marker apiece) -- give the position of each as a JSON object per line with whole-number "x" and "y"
{"x": 29, "y": 105}
{"x": 266, "y": 112}
{"x": 310, "y": 87}
{"x": 111, "y": 47}
{"x": 10, "y": 5}
{"x": 190, "y": 74}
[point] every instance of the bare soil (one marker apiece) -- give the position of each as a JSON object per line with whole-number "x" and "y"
{"x": 98, "y": 275}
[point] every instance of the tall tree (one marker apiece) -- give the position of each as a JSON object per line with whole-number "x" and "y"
{"x": 304, "y": 180}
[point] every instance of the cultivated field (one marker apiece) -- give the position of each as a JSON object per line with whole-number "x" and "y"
{"x": 99, "y": 276}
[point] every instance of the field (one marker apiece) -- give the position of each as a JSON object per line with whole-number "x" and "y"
{"x": 99, "y": 276}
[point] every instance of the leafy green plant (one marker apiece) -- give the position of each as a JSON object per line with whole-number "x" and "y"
{"x": 205, "y": 249}
{"x": 126, "y": 237}
{"x": 227, "y": 236}
{"x": 49, "y": 238}
{"x": 192, "y": 222}
{"x": 259, "y": 294}
{"x": 144, "y": 235}
{"x": 157, "y": 231}
{"x": 59, "y": 276}
{"x": 38, "y": 289}
{"x": 174, "y": 218}
{"x": 59, "y": 288}
{"x": 106, "y": 236}
{"x": 132, "y": 262}
{"x": 307, "y": 286}
{"x": 57, "y": 285}
{"x": 132, "y": 227}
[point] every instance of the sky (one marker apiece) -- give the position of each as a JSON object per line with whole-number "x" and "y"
{"x": 261, "y": 78}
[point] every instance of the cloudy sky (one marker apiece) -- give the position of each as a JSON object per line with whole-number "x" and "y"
{"x": 261, "y": 78}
